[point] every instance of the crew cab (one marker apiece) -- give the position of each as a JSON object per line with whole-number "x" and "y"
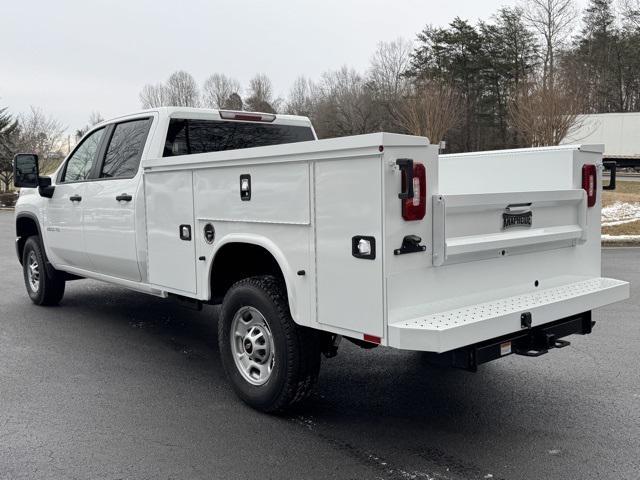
{"x": 376, "y": 239}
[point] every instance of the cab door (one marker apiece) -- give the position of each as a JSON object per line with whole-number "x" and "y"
{"x": 64, "y": 211}
{"x": 111, "y": 201}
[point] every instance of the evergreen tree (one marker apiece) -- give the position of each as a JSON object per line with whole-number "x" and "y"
{"x": 510, "y": 52}
{"x": 598, "y": 50}
{"x": 8, "y": 129}
{"x": 455, "y": 56}
{"x": 486, "y": 64}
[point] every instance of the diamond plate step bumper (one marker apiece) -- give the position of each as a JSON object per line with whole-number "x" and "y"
{"x": 450, "y": 329}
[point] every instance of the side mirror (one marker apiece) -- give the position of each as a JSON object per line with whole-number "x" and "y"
{"x": 25, "y": 170}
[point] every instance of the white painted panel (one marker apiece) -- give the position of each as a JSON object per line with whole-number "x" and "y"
{"x": 279, "y": 193}
{"x": 63, "y": 223}
{"x": 169, "y": 202}
{"x": 473, "y": 224}
{"x": 506, "y": 171}
{"x": 396, "y": 227}
{"x": 109, "y": 227}
{"x": 349, "y": 203}
{"x": 564, "y": 238}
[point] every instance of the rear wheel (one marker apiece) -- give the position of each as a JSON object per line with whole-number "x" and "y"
{"x": 45, "y": 286}
{"x": 270, "y": 361}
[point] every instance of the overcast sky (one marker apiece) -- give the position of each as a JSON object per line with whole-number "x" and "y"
{"x": 71, "y": 57}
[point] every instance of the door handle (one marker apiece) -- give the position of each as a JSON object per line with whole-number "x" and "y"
{"x": 124, "y": 197}
{"x": 75, "y": 198}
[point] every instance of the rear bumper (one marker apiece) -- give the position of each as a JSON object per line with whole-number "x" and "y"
{"x": 531, "y": 342}
{"x": 447, "y": 330}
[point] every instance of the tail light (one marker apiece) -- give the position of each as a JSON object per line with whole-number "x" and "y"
{"x": 590, "y": 183}
{"x": 414, "y": 206}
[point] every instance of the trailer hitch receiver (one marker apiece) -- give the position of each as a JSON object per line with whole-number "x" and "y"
{"x": 532, "y": 341}
{"x": 540, "y": 343}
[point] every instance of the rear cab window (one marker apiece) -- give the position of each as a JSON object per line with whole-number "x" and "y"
{"x": 187, "y": 137}
{"x": 122, "y": 156}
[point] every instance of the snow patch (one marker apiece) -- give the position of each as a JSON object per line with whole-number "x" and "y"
{"x": 620, "y": 213}
{"x": 611, "y": 238}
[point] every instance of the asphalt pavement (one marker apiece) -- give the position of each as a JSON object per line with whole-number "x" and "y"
{"x": 114, "y": 384}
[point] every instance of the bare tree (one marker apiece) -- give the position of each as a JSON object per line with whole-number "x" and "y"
{"x": 218, "y": 90}
{"x": 388, "y": 67}
{"x": 388, "y": 79}
{"x": 345, "y": 104}
{"x": 234, "y": 102}
{"x": 300, "y": 101}
{"x": 553, "y": 20}
{"x": 631, "y": 11}
{"x": 182, "y": 90}
{"x": 260, "y": 98}
{"x": 153, "y": 96}
{"x": 430, "y": 109}
{"x": 41, "y": 134}
{"x": 94, "y": 118}
{"x": 545, "y": 115}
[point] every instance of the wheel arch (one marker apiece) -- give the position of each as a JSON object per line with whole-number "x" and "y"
{"x": 27, "y": 224}
{"x": 258, "y": 256}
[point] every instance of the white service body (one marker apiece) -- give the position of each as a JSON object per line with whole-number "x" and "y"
{"x": 308, "y": 201}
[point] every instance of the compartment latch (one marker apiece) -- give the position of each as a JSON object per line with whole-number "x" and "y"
{"x": 410, "y": 244}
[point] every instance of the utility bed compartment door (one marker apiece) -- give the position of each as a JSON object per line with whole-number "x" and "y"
{"x": 169, "y": 204}
{"x": 489, "y": 225}
{"x": 348, "y": 203}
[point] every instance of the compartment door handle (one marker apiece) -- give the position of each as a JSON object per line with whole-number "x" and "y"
{"x": 406, "y": 169}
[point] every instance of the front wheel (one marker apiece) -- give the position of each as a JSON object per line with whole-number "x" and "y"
{"x": 270, "y": 361}
{"x": 45, "y": 286}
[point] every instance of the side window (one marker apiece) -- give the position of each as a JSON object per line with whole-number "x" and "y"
{"x": 81, "y": 162}
{"x": 125, "y": 149}
{"x": 176, "y": 142}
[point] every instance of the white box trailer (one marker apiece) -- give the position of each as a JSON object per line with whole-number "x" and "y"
{"x": 618, "y": 132}
{"x": 374, "y": 238}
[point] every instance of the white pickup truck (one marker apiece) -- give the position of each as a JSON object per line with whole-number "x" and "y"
{"x": 373, "y": 238}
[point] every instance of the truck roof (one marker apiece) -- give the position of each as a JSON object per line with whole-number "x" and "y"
{"x": 211, "y": 114}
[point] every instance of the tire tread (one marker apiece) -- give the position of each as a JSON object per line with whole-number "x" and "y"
{"x": 52, "y": 282}
{"x": 302, "y": 344}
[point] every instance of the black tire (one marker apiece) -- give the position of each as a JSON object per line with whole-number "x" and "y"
{"x": 296, "y": 357}
{"x": 50, "y": 284}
